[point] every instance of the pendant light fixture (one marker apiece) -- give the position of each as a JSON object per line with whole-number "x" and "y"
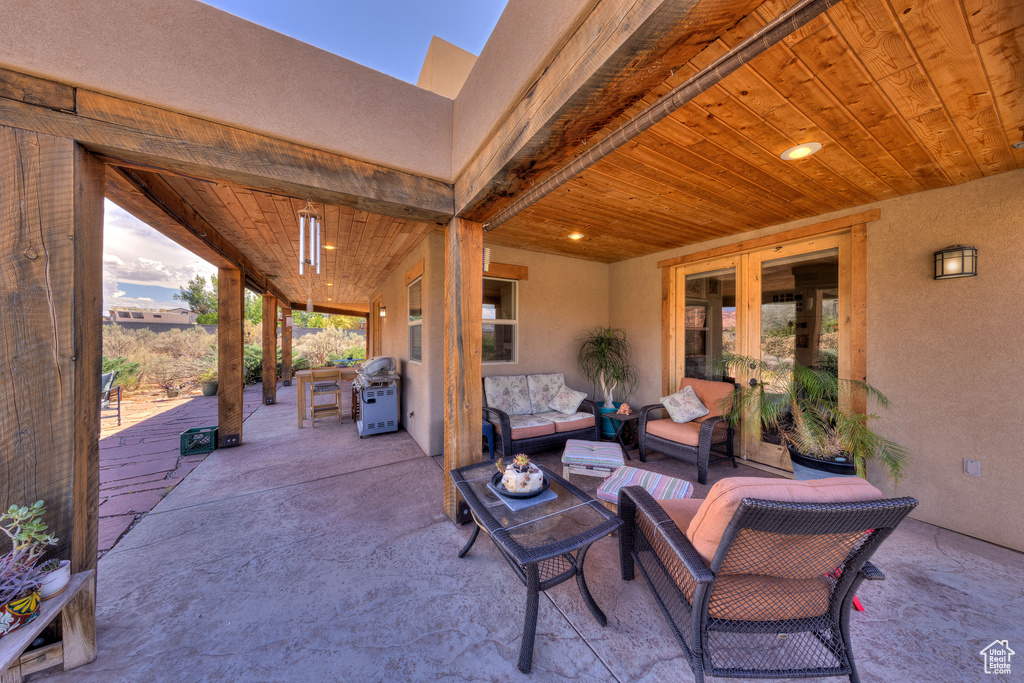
{"x": 309, "y": 222}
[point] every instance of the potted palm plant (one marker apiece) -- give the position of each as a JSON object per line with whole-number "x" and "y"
{"x": 803, "y": 406}
{"x": 20, "y": 575}
{"x": 603, "y": 359}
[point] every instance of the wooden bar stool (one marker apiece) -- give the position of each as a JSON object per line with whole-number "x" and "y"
{"x": 326, "y": 382}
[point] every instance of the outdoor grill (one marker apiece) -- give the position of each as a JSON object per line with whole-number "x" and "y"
{"x": 375, "y": 393}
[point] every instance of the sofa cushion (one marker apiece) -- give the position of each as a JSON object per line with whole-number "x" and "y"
{"x": 527, "y": 426}
{"x": 714, "y": 395}
{"x": 684, "y": 405}
{"x": 567, "y": 401}
{"x": 508, "y": 393}
{"x": 543, "y": 388}
{"x": 680, "y": 432}
{"x": 593, "y": 453}
{"x": 707, "y": 526}
{"x": 567, "y": 423}
{"x": 660, "y": 486}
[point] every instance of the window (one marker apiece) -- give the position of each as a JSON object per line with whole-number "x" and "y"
{"x": 138, "y": 315}
{"x": 157, "y": 315}
{"x": 124, "y": 314}
{"x": 416, "y": 320}
{"x": 499, "y": 337}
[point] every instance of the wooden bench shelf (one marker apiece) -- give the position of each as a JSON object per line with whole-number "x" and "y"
{"x": 76, "y": 609}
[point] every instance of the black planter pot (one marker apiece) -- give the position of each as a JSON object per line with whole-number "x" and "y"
{"x": 209, "y": 388}
{"x": 805, "y": 467}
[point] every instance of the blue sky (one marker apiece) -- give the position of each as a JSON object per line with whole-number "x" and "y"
{"x": 387, "y": 35}
{"x": 143, "y": 268}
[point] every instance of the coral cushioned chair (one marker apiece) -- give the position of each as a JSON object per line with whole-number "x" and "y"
{"x": 757, "y": 580}
{"x": 694, "y": 440}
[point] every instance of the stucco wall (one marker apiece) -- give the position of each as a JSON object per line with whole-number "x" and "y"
{"x": 445, "y": 68}
{"x": 418, "y": 379}
{"x": 946, "y": 353}
{"x": 192, "y": 58}
{"x": 563, "y": 298}
{"x": 522, "y": 44}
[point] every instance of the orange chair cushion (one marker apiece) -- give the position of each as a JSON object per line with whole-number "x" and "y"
{"x": 680, "y": 432}
{"x": 681, "y": 510}
{"x": 708, "y": 525}
{"x": 714, "y": 395}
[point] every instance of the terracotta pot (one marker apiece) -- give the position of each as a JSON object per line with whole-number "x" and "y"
{"x": 17, "y": 613}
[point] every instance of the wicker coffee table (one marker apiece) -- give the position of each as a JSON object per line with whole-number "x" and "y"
{"x": 545, "y": 544}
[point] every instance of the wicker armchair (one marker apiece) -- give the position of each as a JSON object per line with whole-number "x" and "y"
{"x": 773, "y": 600}
{"x": 696, "y": 440}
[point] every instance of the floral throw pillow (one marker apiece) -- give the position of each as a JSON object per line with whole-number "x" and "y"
{"x": 543, "y": 389}
{"x": 567, "y": 401}
{"x": 684, "y": 405}
{"x": 508, "y": 393}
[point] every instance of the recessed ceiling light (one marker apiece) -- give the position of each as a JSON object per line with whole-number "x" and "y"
{"x": 800, "y": 151}
{"x": 330, "y": 284}
{"x": 575, "y": 235}
{"x": 330, "y": 299}
{"x": 330, "y": 247}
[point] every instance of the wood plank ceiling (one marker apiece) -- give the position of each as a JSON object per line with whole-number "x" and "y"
{"x": 361, "y": 248}
{"x": 904, "y": 95}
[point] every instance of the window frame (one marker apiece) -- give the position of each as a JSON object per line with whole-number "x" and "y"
{"x": 414, "y": 323}
{"x": 513, "y": 322}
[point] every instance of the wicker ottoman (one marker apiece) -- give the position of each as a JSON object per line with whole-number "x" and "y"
{"x": 591, "y": 458}
{"x": 659, "y": 486}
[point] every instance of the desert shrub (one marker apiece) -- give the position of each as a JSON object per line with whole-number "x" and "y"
{"x": 121, "y": 342}
{"x": 252, "y": 334}
{"x": 127, "y": 371}
{"x": 357, "y": 352}
{"x": 190, "y": 344}
{"x": 299, "y": 363}
{"x": 318, "y": 348}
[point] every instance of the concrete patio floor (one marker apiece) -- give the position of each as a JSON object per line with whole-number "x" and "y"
{"x": 312, "y": 555}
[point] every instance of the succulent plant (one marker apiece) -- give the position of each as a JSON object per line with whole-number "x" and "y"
{"x": 19, "y": 572}
{"x": 521, "y": 462}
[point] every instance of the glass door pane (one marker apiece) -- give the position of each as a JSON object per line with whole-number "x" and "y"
{"x": 799, "y": 324}
{"x": 709, "y": 322}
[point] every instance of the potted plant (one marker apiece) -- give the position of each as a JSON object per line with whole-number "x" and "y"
{"x": 603, "y": 359}
{"x": 20, "y": 575}
{"x": 55, "y": 578}
{"x": 805, "y": 408}
{"x": 208, "y": 380}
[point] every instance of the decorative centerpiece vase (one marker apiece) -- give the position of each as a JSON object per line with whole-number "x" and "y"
{"x": 521, "y": 476}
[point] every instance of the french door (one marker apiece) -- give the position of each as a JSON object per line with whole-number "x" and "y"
{"x": 794, "y": 303}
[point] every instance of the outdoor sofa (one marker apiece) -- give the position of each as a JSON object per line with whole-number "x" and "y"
{"x": 518, "y": 407}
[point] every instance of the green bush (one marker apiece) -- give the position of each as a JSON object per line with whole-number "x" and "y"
{"x": 252, "y": 361}
{"x": 299, "y": 363}
{"x": 127, "y": 371}
{"x": 357, "y": 352}
{"x": 206, "y": 319}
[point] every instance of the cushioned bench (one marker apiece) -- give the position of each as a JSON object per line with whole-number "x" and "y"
{"x": 662, "y": 488}
{"x": 591, "y": 458}
{"x": 519, "y": 408}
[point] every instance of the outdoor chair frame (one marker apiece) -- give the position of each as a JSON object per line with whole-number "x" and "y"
{"x": 503, "y": 441}
{"x": 716, "y": 435}
{"x": 761, "y": 645}
{"x": 107, "y": 394}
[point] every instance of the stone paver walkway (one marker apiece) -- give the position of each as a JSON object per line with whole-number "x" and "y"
{"x": 140, "y": 461}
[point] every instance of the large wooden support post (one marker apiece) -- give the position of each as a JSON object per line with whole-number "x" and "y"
{"x": 463, "y": 327}
{"x": 269, "y": 349}
{"x": 51, "y": 266}
{"x": 230, "y": 308}
{"x": 286, "y": 347}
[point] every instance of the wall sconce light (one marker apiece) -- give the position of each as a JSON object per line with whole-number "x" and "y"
{"x": 956, "y": 261}
{"x": 383, "y": 311}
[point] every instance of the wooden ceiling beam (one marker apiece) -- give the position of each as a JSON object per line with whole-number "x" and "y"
{"x": 156, "y": 139}
{"x": 621, "y": 50}
{"x": 773, "y": 32}
{"x": 332, "y": 310}
{"x": 174, "y": 217}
